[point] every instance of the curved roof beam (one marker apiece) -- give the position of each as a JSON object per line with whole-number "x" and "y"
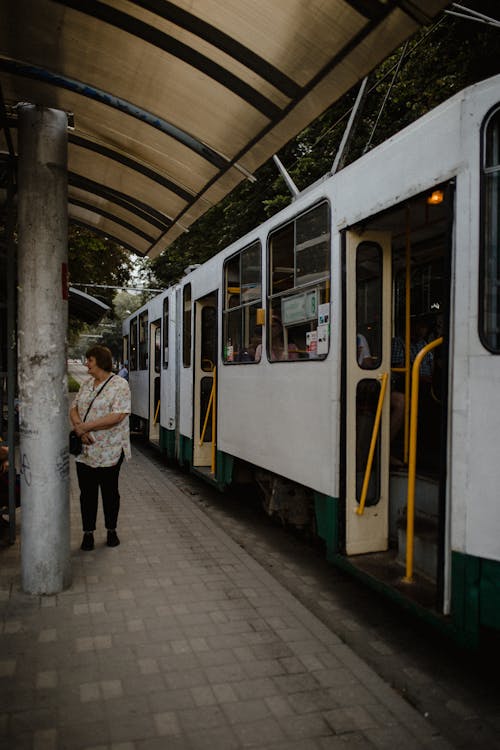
{"x": 102, "y": 233}
{"x": 121, "y": 158}
{"x": 118, "y": 156}
{"x": 79, "y": 87}
{"x": 145, "y": 212}
{"x": 217, "y": 38}
{"x": 178, "y": 49}
{"x": 108, "y": 215}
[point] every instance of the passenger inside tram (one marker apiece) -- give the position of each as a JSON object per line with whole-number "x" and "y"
{"x": 423, "y": 330}
{"x": 278, "y": 349}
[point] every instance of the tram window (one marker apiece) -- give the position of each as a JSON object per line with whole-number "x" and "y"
{"x": 282, "y": 259}
{"x": 157, "y": 344}
{"x": 369, "y": 304}
{"x": 165, "y": 332}
{"x": 312, "y": 248}
{"x": 133, "y": 345}
{"x": 208, "y": 338}
{"x": 490, "y": 251}
{"x": 186, "y": 326}
{"x": 143, "y": 340}
{"x": 299, "y": 304}
{"x": 242, "y": 298}
{"x": 125, "y": 355}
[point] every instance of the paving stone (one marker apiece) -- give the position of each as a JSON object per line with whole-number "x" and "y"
{"x": 179, "y": 639}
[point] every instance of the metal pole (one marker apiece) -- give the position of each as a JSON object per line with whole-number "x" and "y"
{"x": 341, "y": 155}
{"x": 42, "y": 330}
{"x": 288, "y": 180}
{"x": 11, "y": 351}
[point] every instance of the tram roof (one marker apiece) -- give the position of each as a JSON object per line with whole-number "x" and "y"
{"x": 172, "y": 104}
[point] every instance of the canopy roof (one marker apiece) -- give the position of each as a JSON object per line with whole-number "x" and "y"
{"x": 85, "y": 307}
{"x": 172, "y": 104}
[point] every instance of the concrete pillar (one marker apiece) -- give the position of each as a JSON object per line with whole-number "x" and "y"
{"x": 42, "y": 332}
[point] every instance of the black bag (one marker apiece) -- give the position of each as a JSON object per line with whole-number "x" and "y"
{"x": 75, "y": 444}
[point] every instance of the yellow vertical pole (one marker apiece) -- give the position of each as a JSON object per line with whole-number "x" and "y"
{"x": 412, "y": 463}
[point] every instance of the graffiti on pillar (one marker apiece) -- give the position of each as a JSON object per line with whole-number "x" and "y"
{"x": 62, "y": 464}
{"x": 26, "y": 469}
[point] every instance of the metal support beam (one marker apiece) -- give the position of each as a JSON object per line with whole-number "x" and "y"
{"x": 42, "y": 330}
{"x": 289, "y": 182}
{"x": 342, "y": 152}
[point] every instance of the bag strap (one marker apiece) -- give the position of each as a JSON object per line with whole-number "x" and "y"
{"x": 96, "y": 395}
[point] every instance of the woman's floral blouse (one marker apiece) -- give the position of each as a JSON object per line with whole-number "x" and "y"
{"x": 109, "y": 444}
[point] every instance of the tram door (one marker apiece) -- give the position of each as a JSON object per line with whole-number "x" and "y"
{"x": 154, "y": 381}
{"x": 205, "y": 394}
{"x": 367, "y": 366}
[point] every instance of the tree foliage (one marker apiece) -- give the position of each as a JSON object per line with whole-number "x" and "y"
{"x": 96, "y": 260}
{"x": 435, "y": 64}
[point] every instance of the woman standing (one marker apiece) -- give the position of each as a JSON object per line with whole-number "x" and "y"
{"x": 99, "y": 415}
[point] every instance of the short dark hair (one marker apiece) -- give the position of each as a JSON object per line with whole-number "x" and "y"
{"x": 102, "y": 356}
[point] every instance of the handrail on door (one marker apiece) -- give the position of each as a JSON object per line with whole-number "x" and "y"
{"x": 376, "y": 427}
{"x": 412, "y": 462}
{"x": 211, "y": 409}
{"x": 155, "y": 420}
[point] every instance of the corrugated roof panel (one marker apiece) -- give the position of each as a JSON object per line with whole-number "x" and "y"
{"x": 174, "y": 103}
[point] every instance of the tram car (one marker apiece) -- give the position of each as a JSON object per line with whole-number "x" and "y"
{"x": 345, "y": 356}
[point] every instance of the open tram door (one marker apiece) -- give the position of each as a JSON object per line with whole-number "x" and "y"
{"x": 205, "y": 384}
{"x": 154, "y": 381}
{"x": 397, "y": 311}
{"x": 367, "y": 369}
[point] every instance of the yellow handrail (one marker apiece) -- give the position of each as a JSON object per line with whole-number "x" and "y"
{"x": 412, "y": 462}
{"x": 211, "y": 408}
{"x": 207, "y": 413}
{"x": 376, "y": 426}
{"x": 155, "y": 420}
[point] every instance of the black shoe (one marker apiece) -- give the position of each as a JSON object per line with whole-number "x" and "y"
{"x": 113, "y": 540}
{"x": 87, "y": 541}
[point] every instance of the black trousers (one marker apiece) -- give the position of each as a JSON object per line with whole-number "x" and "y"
{"x": 89, "y": 480}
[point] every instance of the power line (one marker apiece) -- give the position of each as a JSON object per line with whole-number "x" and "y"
{"x": 473, "y": 15}
{"x": 121, "y": 288}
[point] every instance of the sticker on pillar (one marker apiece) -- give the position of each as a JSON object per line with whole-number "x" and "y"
{"x": 64, "y": 281}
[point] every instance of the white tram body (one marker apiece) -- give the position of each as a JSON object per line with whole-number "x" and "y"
{"x": 250, "y": 366}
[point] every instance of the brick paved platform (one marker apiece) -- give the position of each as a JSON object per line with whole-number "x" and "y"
{"x": 179, "y": 639}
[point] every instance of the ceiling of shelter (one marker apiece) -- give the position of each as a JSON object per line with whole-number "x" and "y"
{"x": 85, "y": 307}
{"x": 172, "y": 104}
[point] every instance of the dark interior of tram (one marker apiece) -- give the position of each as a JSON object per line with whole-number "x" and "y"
{"x": 420, "y": 230}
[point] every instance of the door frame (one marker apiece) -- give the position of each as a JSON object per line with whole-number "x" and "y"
{"x": 154, "y": 377}
{"x": 368, "y": 531}
{"x": 203, "y": 454}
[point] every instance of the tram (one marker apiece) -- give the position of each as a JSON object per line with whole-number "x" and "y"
{"x": 345, "y": 356}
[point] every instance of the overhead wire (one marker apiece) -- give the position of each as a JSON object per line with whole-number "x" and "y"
{"x": 257, "y": 195}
